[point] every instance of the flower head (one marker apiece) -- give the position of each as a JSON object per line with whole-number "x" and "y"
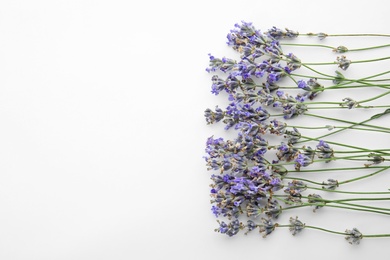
{"x": 317, "y": 200}
{"x": 296, "y": 226}
{"x": 330, "y": 184}
{"x": 353, "y": 236}
{"x": 267, "y": 227}
{"x": 343, "y": 62}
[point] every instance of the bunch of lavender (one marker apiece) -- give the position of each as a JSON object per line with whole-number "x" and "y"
{"x": 254, "y": 178}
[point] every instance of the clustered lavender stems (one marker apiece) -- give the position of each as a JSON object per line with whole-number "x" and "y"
{"x": 247, "y": 182}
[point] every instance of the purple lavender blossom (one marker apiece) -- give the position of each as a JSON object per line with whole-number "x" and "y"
{"x": 267, "y": 227}
{"x": 296, "y": 226}
{"x": 277, "y": 33}
{"x": 324, "y": 151}
{"x": 302, "y": 160}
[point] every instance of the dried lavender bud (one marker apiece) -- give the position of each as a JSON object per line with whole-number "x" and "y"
{"x": 296, "y": 185}
{"x": 223, "y": 227}
{"x": 343, "y": 62}
{"x": 330, "y": 184}
{"x": 277, "y": 127}
{"x": 251, "y": 225}
{"x": 330, "y": 127}
{"x": 213, "y": 116}
{"x": 316, "y": 199}
{"x": 254, "y": 210}
{"x": 296, "y": 226}
{"x": 286, "y": 152}
{"x": 353, "y": 236}
{"x": 293, "y": 62}
{"x": 279, "y": 169}
{"x": 277, "y": 33}
{"x": 223, "y": 64}
{"x": 375, "y": 159}
{"x": 339, "y": 78}
{"x": 324, "y": 151}
{"x": 340, "y": 49}
{"x": 267, "y": 227}
{"x": 273, "y": 209}
{"x": 321, "y": 35}
{"x": 302, "y": 160}
{"x": 292, "y": 136}
{"x": 350, "y": 103}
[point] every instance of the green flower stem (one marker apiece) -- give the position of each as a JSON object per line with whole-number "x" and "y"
{"x": 342, "y": 107}
{"x": 351, "y": 192}
{"x": 308, "y": 76}
{"x": 326, "y": 230}
{"x": 317, "y": 228}
{"x": 307, "y": 45}
{"x": 301, "y": 179}
{"x": 341, "y": 182}
{"x": 335, "y": 62}
{"x": 338, "y": 127}
{"x": 340, "y": 144}
{"x": 373, "y": 151}
{"x": 373, "y": 98}
{"x": 334, "y": 48}
{"x": 360, "y": 206}
{"x": 364, "y": 176}
{"x": 352, "y": 157}
{"x": 370, "y": 48}
{"x": 378, "y": 235}
{"x": 359, "y": 102}
{"x": 304, "y": 204}
{"x": 365, "y": 85}
{"x": 347, "y": 152}
{"x": 349, "y": 81}
{"x": 347, "y": 35}
{"x": 336, "y": 232}
{"x": 363, "y": 123}
{"x": 340, "y": 169}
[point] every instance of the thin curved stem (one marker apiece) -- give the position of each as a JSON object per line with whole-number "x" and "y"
{"x": 350, "y": 192}
{"x": 348, "y": 35}
{"x": 364, "y": 176}
{"x": 339, "y": 169}
{"x": 338, "y": 127}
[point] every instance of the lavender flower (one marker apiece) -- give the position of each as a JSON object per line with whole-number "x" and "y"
{"x": 254, "y": 210}
{"x": 339, "y": 78}
{"x": 330, "y": 184}
{"x": 317, "y": 200}
{"x": 343, "y": 62}
{"x": 286, "y": 152}
{"x": 277, "y": 127}
{"x": 324, "y": 151}
{"x": 302, "y": 160}
{"x": 350, "y": 103}
{"x": 320, "y": 35}
{"x": 340, "y": 49}
{"x": 279, "y": 34}
{"x": 375, "y": 159}
{"x": 273, "y": 209}
{"x": 267, "y": 227}
{"x": 312, "y": 88}
{"x": 353, "y": 236}
{"x": 296, "y": 185}
{"x": 230, "y": 229}
{"x": 292, "y": 136}
{"x": 223, "y": 64}
{"x": 250, "y": 226}
{"x": 296, "y": 226}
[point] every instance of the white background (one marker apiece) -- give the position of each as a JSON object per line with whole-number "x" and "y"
{"x": 102, "y": 131}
